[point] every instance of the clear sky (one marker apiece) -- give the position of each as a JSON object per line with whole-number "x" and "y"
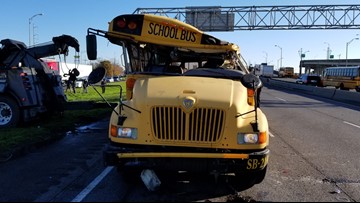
{"x": 74, "y": 17}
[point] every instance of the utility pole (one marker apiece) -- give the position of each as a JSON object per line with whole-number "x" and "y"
{"x": 302, "y": 55}
{"x": 30, "y": 19}
{"x": 328, "y": 51}
{"x": 266, "y": 56}
{"x": 280, "y": 55}
{"x": 347, "y": 45}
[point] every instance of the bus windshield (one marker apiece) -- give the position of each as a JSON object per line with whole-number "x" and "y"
{"x": 157, "y": 45}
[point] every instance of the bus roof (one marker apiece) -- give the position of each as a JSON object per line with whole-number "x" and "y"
{"x": 161, "y": 30}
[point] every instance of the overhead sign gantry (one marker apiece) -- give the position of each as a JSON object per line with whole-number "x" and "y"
{"x": 218, "y": 18}
{"x": 297, "y": 17}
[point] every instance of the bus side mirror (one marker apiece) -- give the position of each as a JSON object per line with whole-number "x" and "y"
{"x": 91, "y": 47}
{"x": 251, "y": 81}
{"x": 96, "y": 75}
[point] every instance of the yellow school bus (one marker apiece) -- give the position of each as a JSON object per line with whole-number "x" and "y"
{"x": 287, "y": 72}
{"x": 343, "y": 77}
{"x": 191, "y": 103}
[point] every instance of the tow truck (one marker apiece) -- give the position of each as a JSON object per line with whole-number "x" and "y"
{"x": 28, "y": 87}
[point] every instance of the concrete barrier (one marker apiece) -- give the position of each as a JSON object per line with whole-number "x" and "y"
{"x": 302, "y": 88}
{"x": 277, "y": 83}
{"x": 324, "y": 92}
{"x": 349, "y": 97}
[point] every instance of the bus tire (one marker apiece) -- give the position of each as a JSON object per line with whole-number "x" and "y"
{"x": 9, "y": 112}
{"x": 243, "y": 181}
{"x": 342, "y": 86}
{"x": 129, "y": 174}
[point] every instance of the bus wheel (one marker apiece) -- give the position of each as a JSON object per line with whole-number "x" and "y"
{"x": 129, "y": 174}
{"x": 9, "y": 112}
{"x": 342, "y": 86}
{"x": 243, "y": 181}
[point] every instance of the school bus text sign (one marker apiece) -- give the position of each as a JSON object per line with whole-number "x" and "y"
{"x": 170, "y": 32}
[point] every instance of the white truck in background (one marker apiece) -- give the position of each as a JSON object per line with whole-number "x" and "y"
{"x": 84, "y": 70}
{"x": 63, "y": 69}
{"x": 264, "y": 70}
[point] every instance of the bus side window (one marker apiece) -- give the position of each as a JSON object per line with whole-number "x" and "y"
{"x": 173, "y": 69}
{"x": 156, "y": 69}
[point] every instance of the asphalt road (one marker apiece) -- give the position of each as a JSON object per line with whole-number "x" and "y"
{"x": 314, "y": 149}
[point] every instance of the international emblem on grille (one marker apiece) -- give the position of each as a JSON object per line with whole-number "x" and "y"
{"x": 188, "y": 103}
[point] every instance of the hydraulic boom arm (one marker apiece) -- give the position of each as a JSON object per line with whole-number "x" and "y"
{"x": 13, "y": 51}
{"x": 60, "y": 46}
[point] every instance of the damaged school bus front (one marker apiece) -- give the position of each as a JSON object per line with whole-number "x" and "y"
{"x": 191, "y": 123}
{"x": 191, "y": 103}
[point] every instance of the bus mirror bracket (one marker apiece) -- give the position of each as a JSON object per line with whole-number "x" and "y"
{"x": 251, "y": 81}
{"x": 96, "y": 76}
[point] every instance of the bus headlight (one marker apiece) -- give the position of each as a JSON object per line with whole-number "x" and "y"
{"x": 247, "y": 138}
{"x": 252, "y": 138}
{"x": 124, "y": 132}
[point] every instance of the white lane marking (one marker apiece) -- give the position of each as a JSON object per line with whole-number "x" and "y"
{"x": 271, "y": 135}
{"x": 280, "y": 99}
{"x": 351, "y": 124}
{"x": 92, "y": 185}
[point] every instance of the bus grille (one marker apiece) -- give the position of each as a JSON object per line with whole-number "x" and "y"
{"x": 202, "y": 125}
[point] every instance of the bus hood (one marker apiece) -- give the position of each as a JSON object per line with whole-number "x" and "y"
{"x": 183, "y": 90}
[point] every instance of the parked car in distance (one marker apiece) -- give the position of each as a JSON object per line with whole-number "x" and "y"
{"x": 116, "y": 78}
{"x": 109, "y": 79}
{"x": 309, "y": 79}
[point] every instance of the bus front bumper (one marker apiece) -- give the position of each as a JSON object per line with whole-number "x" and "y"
{"x": 195, "y": 161}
